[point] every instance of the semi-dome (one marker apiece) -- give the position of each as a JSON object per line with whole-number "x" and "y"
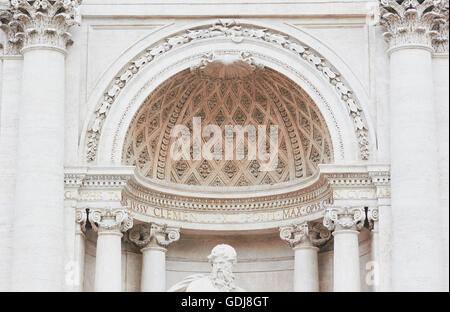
{"x": 228, "y": 93}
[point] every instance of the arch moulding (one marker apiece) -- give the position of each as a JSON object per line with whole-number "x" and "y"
{"x": 112, "y": 111}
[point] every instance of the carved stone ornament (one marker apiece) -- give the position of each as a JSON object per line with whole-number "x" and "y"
{"x": 110, "y": 220}
{"x": 81, "y": 218}
{"x": 226, "y": 67}
{"x": 414, "y": 22}
{"x": 236, "y": 33}
{"x": 372, "y": 216}
{"x": 308, "y": 233}
{"x": 344, "y": 218}
{"x": 46, "y": 22}
{"x": 151, "y": 235}
{"x": 13, "y": 30}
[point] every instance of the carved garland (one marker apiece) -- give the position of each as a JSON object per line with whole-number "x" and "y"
{"x": 237, "y": 34}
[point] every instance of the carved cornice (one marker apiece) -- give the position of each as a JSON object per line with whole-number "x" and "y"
{"x": 73, "y": 179}
{"x": 344, "y": 218}
{"x": 13, "y": 30}
{"x": 381, "y": 178}
{"x": 47, "y": 22}
{"x": 305, "y": 234}
{"x": 153, "y": 235}
{"x": 110, "y": 220}
{"x": 414, "y": 22}
{"x": 139, "y": 194}
{"x": 114, "y": 177}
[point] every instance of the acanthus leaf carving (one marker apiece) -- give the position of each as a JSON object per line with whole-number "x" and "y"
{"x": 414, "y": 22}
{"x": 14, "y": 32}
{"x": 46, "y": 22}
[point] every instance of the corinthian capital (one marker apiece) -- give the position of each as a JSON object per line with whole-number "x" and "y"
{"x": 13, "y": 30}
{"x": 109, "y": 220}
{"x": 46, "y": 22}
{"x": 412, "y": 22}
{"x": 153, "y": 235}
{"x": 307, "y": 233}
{"x": 344, "y": 218}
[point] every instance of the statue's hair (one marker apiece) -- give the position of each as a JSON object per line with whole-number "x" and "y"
{"x": 223, "y": 251}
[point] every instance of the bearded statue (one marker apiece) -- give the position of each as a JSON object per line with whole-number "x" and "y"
{"x": 221, "y": 279}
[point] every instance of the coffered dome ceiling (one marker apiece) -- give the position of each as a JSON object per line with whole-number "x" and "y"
{"x": 221, "y": 94}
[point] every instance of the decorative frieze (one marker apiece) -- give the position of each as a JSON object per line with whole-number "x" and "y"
{"x": 46, "y": 22}
{"x": 344, "y": 218}
{"x": 110, "y": 220}
{"x": 14, "y": 32}
{"x": 414, "y": 22}
{"x": 153, "y": 235}
{"x": 308, "y": 233}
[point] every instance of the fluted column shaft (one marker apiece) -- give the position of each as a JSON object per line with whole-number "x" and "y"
{"x": 346, "y": 223}
{"x": 153, "y": 238}
{"x": 415, "y": 192}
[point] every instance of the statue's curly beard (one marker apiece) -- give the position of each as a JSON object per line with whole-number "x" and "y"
{"x": 223, "y": 277}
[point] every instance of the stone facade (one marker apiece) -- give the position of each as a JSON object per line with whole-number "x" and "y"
{"x": 92, "y": 198}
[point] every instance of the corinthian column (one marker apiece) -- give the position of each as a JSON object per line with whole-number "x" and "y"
{"x": 11, "y": 79}
{"x": 410, "y": 29}
{"x": 345, "y": 224}
{"x": 305, "y": 238}
{"x": 38, "y": 229}
{"x": 108, "y": 263}
{"x": 153, "y": 239}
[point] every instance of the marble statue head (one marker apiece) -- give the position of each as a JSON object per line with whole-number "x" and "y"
{"x": 222, "y": 258}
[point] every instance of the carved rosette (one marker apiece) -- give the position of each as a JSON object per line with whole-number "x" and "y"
{"x": 413, "y": 22}
{"x": 110, "y": 220}
{"x": 306, "y": 234}
{"x": 13, "y": 30}
{"x": 344, "y": 218}
{"x": 153, "y": 235}
{"x": 47, "y": 22}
